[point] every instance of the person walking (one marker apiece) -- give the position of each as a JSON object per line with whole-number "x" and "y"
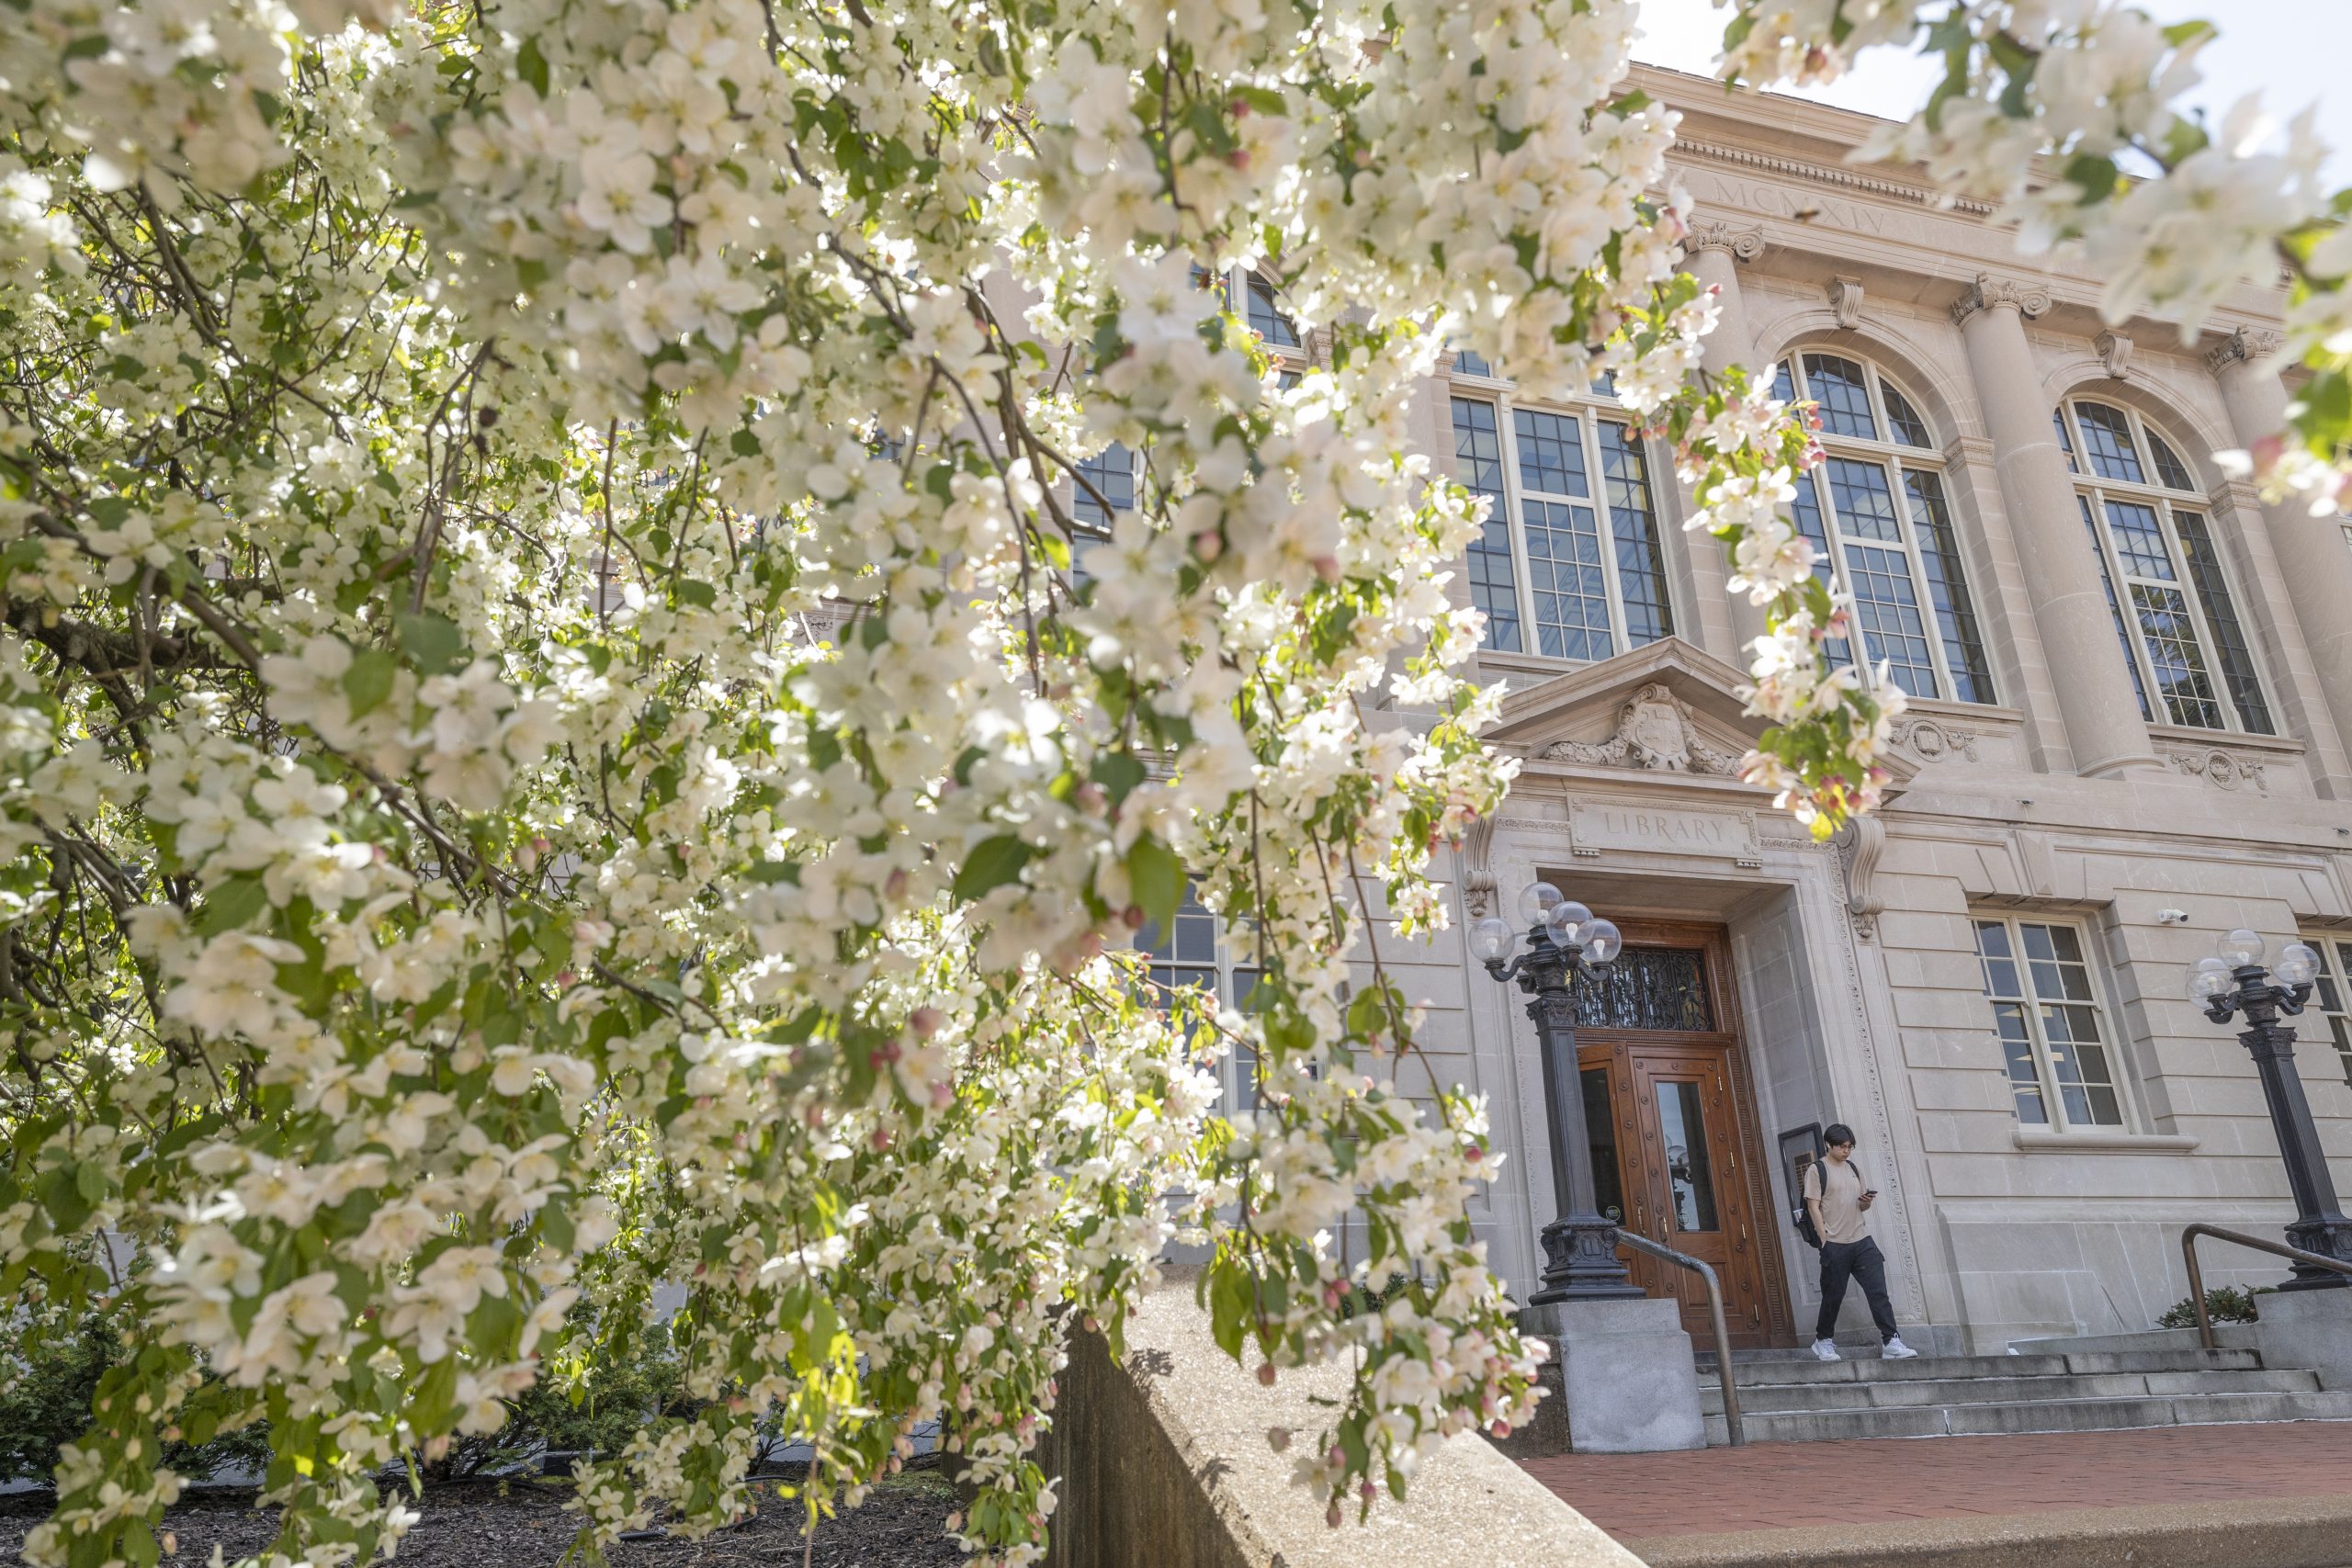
{"x": 1838, "y": 1200}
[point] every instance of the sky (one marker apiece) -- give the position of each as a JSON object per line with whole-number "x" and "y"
{"x": 2293, "y": 52}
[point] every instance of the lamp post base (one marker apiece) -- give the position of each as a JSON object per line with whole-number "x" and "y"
{"x": 2330, "y": 1237}
{"x": 1580, "y": 1263}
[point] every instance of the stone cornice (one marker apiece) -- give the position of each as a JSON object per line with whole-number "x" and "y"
{"x": 1824, "y": 174}
{"x": 1717, "y": 234}
{"x": 2245, "y": 344}
{"x": 2029, "y": 297}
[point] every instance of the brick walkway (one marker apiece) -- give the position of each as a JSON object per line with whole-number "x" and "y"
{"x": 1797, "y": 1486}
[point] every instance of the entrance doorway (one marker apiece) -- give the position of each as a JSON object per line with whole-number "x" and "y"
{"x": 1676, "y": 1153}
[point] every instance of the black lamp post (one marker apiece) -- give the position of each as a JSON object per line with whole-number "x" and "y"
{"x": 1565, "y": 945}
{"x": 2237, "y": 982}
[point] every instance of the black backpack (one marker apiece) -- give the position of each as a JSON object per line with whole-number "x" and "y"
{"x": 1803, "y": 1216}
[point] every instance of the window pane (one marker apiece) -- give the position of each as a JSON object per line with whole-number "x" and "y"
{"x": 1845, "y": 398}
{"x": 2222, "y": 615}
{"x": 2106, "y": 441}
{"x": 2066, "y": 441}
{"x": 2017, "y": 1054}
{"x": 1784, "y": 384}
{"x": 1471, "y": 364}
{"x": 1600, "y": 1126}
{"x": 1948, "y": 587}
{"x": 1887, "y": 608}
{"x": 2000, "y": 965}
{"x": 1807, "y": 508}
{"x": 1550, "y": 451}
{"x": 2070, "y": 1027}
{"x": 1266, "y": 317}
{"x": 1494, "y": 585}
{"x": 1641, "y": 565}
{"x": 2122, "y": 634}
{"x": 2138, "y": 541}
{"x": 2170, "y": 471}
{"x": 1909, "y": 428}
{"x": 1564, "y": 570}
{"x": 1111, "y": 473}
{"x": 1865, "y": 504}
{"x": 1605, "y": 384}
{"x": 1690, "y": 1176}
{"x": 2171, "y": 638}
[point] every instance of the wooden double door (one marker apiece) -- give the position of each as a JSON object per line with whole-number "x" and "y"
{"x": 1676, "y": 1151}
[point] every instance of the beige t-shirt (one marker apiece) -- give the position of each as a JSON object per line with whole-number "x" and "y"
{"x": 1841, "y": 1218}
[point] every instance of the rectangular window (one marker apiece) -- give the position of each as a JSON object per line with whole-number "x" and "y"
{"x": 1563, "y": 572}
{"x": 1107, "y": 476}
{"x": 1466, "y": 363}
{"x": 1815, "y": 530}
{"x": 2047, "y": 1017}
{"x": 1641, "y": 566}
{"x": 1948, "y": 586}
{"x": 1193, "y": 954}
{"x": 2115, "y": 609}
{"x": 2106, "y": 441}
{"x": 1550, "y": 451}
{"x": 2139, "y": 541}
{"x": 2173, "y": 655}
{"x": 2222, "y": 615}
{"x": 1865, "y": 504}
{"x": 2332, "y": 997}
{"x": 1494, "y": 583}
{"x": 1886, "y": 607}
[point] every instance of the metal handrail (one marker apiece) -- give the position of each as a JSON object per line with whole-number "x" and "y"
{"x": 1715, "y": 1310}
{"x": 2276, "y": 1249}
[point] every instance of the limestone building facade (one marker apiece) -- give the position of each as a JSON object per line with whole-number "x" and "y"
{"x": 2131, "y": 703}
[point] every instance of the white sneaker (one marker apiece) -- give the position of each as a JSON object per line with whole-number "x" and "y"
{"x": 1826, "y": 1350}
{"x": 1896, "y": 1350}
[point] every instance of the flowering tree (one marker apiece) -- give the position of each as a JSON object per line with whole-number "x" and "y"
{"x": 563, "y": 729}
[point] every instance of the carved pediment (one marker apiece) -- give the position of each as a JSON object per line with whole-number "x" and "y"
{"x": 1667, "y": 708}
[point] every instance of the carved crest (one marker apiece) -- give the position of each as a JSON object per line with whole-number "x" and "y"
{"x": 1656, "y": 733}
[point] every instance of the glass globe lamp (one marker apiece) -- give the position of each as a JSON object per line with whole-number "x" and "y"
{"x": 2239, "y": 948}
{"x": 1601, "y": 942}
{"x": 1536, "y": 901}
{"x": 1567, "y": 917}
{"x": 2297, "y": 965}
{"x": 1490, "y": 940}
{"x": 2207, "y": 978}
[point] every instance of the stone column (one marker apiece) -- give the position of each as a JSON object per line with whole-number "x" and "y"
{"x": 2105, "y": 734}
{"x": 2310, "y": 550}
{"x": 1725, "y": 624}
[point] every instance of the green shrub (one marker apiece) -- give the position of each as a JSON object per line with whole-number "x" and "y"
{"x": 2223, "y": 1303}
{"x": 51, "y": 1363}
{"x": 594, "y": 1393}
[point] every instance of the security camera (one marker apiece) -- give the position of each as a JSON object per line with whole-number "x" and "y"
{"x": 2172, "y": 917}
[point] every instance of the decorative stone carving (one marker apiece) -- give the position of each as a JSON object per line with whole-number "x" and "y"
{"x": 2245, "y": 344}
{"x": 1477, "y": 872}
{"x": 1932, "y": 741}
{"x": 2115, "y": 353}
{"x": 1987, "y": 292}
{"x": 1655, "y": 732}
{"x": 2221, "y": 769}
{"x": 1715, "y": 234}
{"x": 1846, "y": 299}
{"x": 1862, "y": 840}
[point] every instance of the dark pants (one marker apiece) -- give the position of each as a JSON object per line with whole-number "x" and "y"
{"x": 1843, "y": 1260}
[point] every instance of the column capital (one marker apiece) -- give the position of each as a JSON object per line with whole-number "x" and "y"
{"x": 2031, "y": 298}
{"x": 2244, "y": 345}
{"x": 1719, "y": 234}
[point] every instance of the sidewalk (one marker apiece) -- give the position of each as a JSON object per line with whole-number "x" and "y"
{"x": 1770, "y": 1486}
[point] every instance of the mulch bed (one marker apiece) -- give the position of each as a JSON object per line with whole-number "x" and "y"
{"x": 487, "y": 1525}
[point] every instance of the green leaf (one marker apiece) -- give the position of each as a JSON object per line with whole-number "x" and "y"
{"x": 433, "y": 643}
{"x": 1158, "y": 878}
{"x": 1118, "y": 772}
{"x": 369, "y": 680}
{"x": 996, "y": 862}
{"x": 532, "y": 66}
{"x": 231, "y": 905}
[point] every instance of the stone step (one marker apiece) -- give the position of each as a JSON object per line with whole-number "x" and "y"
{"x": 1760, "y": 1397}
{"x": 2034, "y": 1416}
{"x": 1800, "y": 1367}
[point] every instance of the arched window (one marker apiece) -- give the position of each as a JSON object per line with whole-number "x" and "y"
{"x": 1569, "y": 565}
{"x": 1900, "y": 561}
{"x": 2170, "y": 598}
